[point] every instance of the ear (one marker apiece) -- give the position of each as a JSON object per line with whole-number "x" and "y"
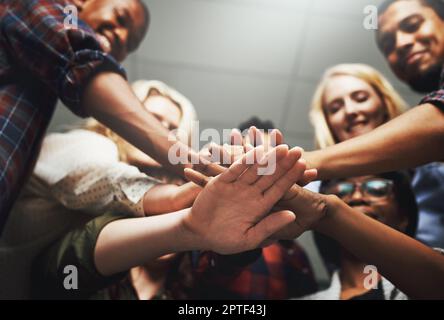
{"x": 80, "y": 4}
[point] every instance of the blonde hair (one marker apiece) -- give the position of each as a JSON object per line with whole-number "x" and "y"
{"x": 391, "y": 100}
{"x": 142, "y": 89}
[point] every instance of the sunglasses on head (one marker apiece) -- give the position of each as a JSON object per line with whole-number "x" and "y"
{"x": 374, "y": 188}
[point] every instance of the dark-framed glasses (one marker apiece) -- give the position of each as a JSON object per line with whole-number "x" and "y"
{"x": 372, "y": 188}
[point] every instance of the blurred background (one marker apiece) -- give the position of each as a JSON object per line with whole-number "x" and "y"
{"x": 235, "y": 59}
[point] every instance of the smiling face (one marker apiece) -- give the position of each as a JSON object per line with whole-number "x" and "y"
{"x": 164, "y": 109}
{"x": 119, "y": 25}
{"x": 352, "y": 107}
{"x": 373, "y": 196}
{"x": 411, "y": 37}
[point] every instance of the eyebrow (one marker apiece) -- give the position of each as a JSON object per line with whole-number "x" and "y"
{"x": 383, "y": 35}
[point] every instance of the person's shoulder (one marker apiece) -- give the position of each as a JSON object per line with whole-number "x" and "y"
{"x": 79, "y": 142}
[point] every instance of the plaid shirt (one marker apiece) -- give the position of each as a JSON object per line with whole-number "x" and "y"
{"x": 280, "y": 271}
{"x": 437, "y": 97}
{"x": 41, "y": 60}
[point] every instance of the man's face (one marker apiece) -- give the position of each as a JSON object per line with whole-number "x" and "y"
{"x": 119, "y": 25}
{"x": 411, "y": 37}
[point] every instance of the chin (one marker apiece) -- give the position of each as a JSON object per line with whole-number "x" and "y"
{"x": 426, "y": 81}
{"x": 357, "y": 134}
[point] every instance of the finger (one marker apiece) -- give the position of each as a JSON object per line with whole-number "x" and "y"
{"x": 226, "y": 154}
{"x": 277, "y": 137}
{"x": 265, "y": 164}
{"x": 239, "y": 166}
{"x": 197, "y": 177}
{"x": 208, "y": 168}
{"x": 270, "y": 225}
{"x": 309, "y": 176}
{"x": 236, "y": 138}
{"x": 290, "y": 232}
{"x": 281, "y": 168}
{"x": 255, "y": 136}
{"x": 187, "y": 194}
{"x": 278, "y": 189}
{"x": 250, "y": 175}
{"x": 248, "y": 147}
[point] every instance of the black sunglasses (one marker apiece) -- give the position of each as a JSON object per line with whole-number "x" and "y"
{"x": 375, "y": 188}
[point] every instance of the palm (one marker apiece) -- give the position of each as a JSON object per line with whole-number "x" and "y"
{"x": 231, "y": 213}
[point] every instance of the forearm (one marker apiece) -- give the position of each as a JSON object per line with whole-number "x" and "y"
{"x": 414, "y": 268}
{"x": 109, "y": 99}
{"x": 126, "y": 243}
{"x": 410, "y": 140}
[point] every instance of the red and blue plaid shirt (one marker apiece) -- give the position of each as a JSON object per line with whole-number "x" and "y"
{"x": 280, "y": 271}
{"x": 41, "y": 60}
{"x": 437, "y": 97}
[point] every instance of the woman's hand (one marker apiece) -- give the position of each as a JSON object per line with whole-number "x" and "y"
{"x": 231, "y": 214}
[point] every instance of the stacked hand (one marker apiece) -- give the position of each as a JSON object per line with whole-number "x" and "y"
{"x": 232, "y": 213}
{"x": 309, "y": 207}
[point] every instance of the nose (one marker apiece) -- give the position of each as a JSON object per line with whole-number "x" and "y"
{"x": 356, "y": 196}
{"x": 350, "y": 108}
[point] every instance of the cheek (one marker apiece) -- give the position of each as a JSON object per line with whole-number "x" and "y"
{"x": 336, "y": 122}
{"x": 374, "y": 112}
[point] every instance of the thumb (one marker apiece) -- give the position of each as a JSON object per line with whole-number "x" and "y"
{"x": 270, "y": 225}
{"x": 187, "y": 194}
{"x": 197, "y": 177}
{"x": 309, "y": 176}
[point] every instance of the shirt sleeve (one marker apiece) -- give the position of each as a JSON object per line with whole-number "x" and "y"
{"x": 82, "y": 171}
{"x": 74, "y": 250}
{"x": 436, "y": 98}
{"x": 38, "y": 42}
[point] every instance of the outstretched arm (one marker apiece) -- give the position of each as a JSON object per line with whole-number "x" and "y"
{"x": 410, "y": 140}
{"x": 108, "y": 98}
{"x": 230, "y": 215}
{"x": 414, "y": 268}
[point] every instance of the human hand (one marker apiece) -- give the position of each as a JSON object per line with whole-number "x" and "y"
{"x": 231, "y": 214}
{"x": 309, "y": 207}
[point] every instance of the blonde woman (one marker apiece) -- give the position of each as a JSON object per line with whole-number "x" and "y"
{"x": 354, "y": 99}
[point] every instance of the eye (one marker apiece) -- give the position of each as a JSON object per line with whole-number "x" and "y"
{"x": 335, "y": 106}
{"x": 121, "y": 17}
{"x": 412, "y": 24}
{"x": 378, "y": 188}
{"x": 360, "y": 96}
{"x": 344, "y": 189}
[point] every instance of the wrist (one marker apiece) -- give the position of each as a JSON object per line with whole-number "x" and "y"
{"x": 190, "y": 237}
{"x": 326, "y": 224}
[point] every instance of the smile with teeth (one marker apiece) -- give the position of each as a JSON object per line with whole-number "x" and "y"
{"x": 104, "y": 43}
